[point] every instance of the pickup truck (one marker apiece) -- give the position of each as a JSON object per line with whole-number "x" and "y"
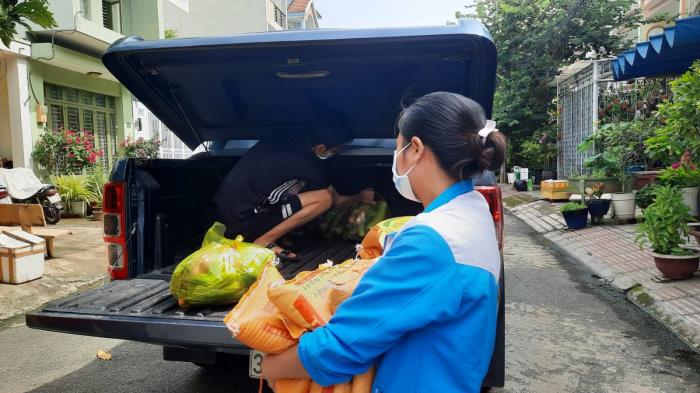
{"x": 224, "y": 94}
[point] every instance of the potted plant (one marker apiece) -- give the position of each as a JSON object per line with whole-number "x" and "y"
{"x": 645, "y": 197}
{"x": 665, "y": 228}
{"x": 94, "y": 183}
{"x": 685, "y": 176}
{"x": 597, "y": 206}
{"x": 575, "y": 215}
{"x": 73, "y": 190}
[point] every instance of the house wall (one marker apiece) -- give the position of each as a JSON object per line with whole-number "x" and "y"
{"x": 657, "y": 8}
{"x": 5, "y": 140}
{"x": 215, "y": 17}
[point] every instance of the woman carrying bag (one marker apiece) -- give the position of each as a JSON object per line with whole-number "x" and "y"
{"x": 425, "y": 313}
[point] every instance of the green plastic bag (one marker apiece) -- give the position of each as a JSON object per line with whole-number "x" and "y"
{"x": 220, "y": 272}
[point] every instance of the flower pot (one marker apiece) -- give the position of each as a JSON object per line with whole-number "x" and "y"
{"x": 97, "y": 215}
{"x": 511, "y": 178}
{"x": 695, "y": 234}
{"x": 576, "y": 219}
{"x": 677, "y": 267}
{"x": 78, "y": 208}
{"x": 690, "y": 198}
{"x": 643, "y": 178}
{"x": 624, "y": 205}
{"x": 598, "y": 209}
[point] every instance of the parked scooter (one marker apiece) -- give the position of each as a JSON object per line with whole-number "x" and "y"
{"x": 24, "y": 187}
{"x": 4, "y": 195}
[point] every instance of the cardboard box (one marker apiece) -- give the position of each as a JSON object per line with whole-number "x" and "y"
{"x": 21, "y": 257}
{"x": 555, "y": 190}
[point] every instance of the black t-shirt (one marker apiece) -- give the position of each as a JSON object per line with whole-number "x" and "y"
{"x": 266, "y": 173}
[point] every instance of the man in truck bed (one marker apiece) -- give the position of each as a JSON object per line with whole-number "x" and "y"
{"x": 278, "y": 186}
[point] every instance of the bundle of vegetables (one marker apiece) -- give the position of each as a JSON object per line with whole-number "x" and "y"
{"x": 353, "y": 222}
{"x": 220, "y": 272}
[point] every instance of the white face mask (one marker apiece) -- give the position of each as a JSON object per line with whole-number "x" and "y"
{"x": 402, "y": 183}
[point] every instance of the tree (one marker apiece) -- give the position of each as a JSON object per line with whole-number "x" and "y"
{"x": 534, "y": 38}
{"x": 13, "y": 12}
{"x": 170, "y": 34}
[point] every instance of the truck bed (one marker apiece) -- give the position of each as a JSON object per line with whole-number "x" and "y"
{"x": 143, "y": 309}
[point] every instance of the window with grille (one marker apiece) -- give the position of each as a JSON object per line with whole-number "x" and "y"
{"x": 85, "y": 9}
{"x": 280, "y": 17}
{"x": 85, "y": 112}
{"x": 111, "y": 17}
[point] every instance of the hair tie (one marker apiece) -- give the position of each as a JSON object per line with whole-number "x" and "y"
{"x": 488, "y": 129}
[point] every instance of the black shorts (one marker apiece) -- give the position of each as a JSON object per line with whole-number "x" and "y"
{"x": 256, "y": 224}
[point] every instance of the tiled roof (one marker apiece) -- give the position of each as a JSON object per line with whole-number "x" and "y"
{"x": 298, "y": 6}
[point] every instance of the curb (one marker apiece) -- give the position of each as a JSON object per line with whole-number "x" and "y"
{"x": 634, "y": 291}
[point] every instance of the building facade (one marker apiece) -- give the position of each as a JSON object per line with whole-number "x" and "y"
{"x": 666, "y": 9}
{"x": 56, "y": 79}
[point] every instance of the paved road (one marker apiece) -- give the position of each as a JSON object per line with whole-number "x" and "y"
{"x": 566, "y": 333}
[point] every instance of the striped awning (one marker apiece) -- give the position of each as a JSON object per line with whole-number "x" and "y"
{"x": 670, "y": 53}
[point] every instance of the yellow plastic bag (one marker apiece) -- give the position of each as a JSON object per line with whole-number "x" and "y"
{"x": 220, "y": 272}
{"x": 374, "y": 242}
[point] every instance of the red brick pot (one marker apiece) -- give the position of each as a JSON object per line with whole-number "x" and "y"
{"x": 677, "y": 267}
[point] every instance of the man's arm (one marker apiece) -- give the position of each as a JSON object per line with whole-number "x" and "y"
{"x": 340, "y": 201}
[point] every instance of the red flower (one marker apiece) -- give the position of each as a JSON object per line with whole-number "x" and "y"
{"x": 100, "y": 153}
{"x": 71, "y": 155}
{"x": 70, "y": 133}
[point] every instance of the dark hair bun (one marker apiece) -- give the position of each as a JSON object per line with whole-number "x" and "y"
{"x": 449, "y": 124}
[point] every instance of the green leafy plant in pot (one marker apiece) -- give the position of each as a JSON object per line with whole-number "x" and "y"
{"x": 665, "y": 229}
{"x": 94, "y": 182}
{"x": 685, "y": 176}
{"x": 597, "y": 206}
{"x": 72, "y": 189}
{"x": 575, "y": 215}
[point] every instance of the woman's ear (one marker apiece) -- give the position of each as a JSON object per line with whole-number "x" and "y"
{"x": 417, "y": 147}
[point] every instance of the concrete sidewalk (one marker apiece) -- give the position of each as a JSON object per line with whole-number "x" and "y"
{"x": 610, "y": 252}
{"x": 80, "y": 262}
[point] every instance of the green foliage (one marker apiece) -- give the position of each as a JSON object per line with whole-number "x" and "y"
{"x": 645, "y": 197}
{"x": 170, "y": 34}
{"x": 665, "y": 224}
{"x": 618, "y": 145}
{"x": 72, "y": 188}
{"x": 681, "y": 177}
{"x": 94, "y": 182}
{"x": 680, "y": 118}
{"x": 534, "y": 39}
{"x": 540, "y": 151}
{"x": 572, "y": 206}
{"x": 13, "y": 12}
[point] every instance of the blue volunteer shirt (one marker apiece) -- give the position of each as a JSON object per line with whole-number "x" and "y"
{"x": 425, "y": 313}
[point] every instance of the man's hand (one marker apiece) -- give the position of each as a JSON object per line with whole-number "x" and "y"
{"x": 366, "y": 195}
{"x": 268, "y": 377}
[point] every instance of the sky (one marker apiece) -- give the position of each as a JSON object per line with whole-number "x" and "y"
{"x": 386, "y": 13}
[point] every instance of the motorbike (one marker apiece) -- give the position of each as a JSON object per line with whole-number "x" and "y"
{"x": 23, "y": 186}
{"x": 4, "y": 195}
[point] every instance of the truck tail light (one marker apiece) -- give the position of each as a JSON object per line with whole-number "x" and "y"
{"x": 495, "y": 201}
{"x": 114, "y": 217}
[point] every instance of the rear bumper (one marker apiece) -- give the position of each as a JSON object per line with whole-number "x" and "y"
{"x": 205, "y": 335}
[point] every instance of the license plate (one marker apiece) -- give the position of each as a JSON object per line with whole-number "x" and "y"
{"x": 54, "y": 198}
{"x": 255, "y": 369}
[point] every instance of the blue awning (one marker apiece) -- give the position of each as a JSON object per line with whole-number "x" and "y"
{"x": 670, "y": 53}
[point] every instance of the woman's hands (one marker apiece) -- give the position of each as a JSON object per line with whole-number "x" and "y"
{"x": 283, "y": 366}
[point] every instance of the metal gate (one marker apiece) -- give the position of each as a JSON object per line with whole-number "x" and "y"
{"x": 577, "y": 98}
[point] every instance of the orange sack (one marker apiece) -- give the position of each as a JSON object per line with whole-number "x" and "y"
{"x": 375, "y": 240}
{"x": 342, "y": 388}
{"x": 256, "y": 322}
{"x": 305, "y": 301}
